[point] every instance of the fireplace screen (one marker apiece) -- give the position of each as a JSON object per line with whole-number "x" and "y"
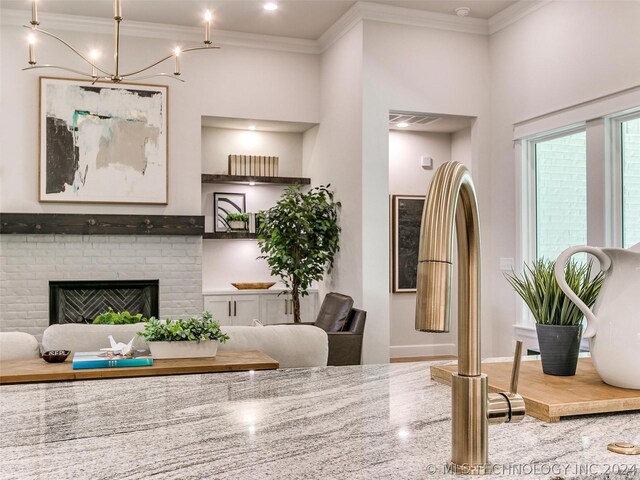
{"x": 82, "y": 301}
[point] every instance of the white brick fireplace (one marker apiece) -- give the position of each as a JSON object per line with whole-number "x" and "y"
{"x": 29, "y": 262}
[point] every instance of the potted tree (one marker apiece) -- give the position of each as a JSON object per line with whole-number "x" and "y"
{"x": 190, "y": 338}
{"x": 299, "y": 238}
{"x": 558, "y": 320}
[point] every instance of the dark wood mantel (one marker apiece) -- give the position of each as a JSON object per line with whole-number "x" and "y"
{"x": 83, "y": 224}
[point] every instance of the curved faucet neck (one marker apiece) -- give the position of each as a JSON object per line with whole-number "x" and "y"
{"x": 451, "y": 206}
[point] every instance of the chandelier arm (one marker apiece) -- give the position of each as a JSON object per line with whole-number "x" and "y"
{"x": 128, "y": 75}
{"x": 84, "y": 74}
{"x": 168, "y": 75}
{"x": 70, "y": 47}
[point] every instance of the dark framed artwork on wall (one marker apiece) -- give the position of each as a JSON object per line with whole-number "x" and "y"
{"x": 102, "y": 142}
{"x": 224, "y": 204}
{"x": 406, "y": 215}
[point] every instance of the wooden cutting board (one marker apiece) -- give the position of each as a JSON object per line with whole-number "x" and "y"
{"x": 549, "y": 397}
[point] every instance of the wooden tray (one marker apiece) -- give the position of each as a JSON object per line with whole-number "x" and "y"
{"x": 37, "y": 370}
{"x": 254, "y": 285}
{"x": 548, "y": 397}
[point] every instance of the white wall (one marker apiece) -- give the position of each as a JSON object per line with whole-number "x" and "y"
{"x": 336, "y": 151}
{"x": 219, "y": 143}
{"x": 407, "y": 177}
{"x": 230, "y": 82}
{"x": 560, "y": 55}
{"x": 417, "y": 70}
{"x": 461, "y": 146}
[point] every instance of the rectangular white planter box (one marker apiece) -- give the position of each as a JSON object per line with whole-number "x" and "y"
{"x": 163, "y": 350}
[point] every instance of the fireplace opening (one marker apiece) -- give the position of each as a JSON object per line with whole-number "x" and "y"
{"x": 81, "y": 301}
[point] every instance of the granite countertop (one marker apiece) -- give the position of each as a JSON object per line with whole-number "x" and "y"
{"x": 360, "y": 422}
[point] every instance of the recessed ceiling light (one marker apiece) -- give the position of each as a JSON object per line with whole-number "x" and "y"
{"x": 402, "y": 125}
{"x": 463, "y": 11}
{"x": 252, "y": 127}
{"x": 270, "y": 6}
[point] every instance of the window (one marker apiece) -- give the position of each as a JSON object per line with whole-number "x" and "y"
{"x": 560, "y": 193}
{"x": 630, "y": 153}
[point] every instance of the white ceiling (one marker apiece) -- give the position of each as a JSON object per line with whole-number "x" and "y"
{"x": 423, "y": 122}
{"x": 305, "y": 19}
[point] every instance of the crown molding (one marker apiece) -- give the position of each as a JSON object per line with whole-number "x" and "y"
{"x": 76, "y": 23}
{"x": 359, "y": 12}
{"x": 400, "y": 16}
{"x": 513, "y": 13}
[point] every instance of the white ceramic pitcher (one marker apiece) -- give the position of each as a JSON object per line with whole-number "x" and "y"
{"x": 613, "y": 328}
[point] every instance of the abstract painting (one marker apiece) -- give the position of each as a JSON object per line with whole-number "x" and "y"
{"x": 224, "y": 204}
{"x": 406, "y": 216}
{"x": 102, "y": 142}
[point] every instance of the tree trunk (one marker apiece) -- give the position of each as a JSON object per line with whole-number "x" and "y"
{"x": 295, "y": 298}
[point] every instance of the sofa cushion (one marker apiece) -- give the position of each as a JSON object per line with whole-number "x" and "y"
{"x": 80, "y": 337}
{"x": 334, "y": 312}
{"x": 292, "y": 346}
{"x": 18, "y": 346}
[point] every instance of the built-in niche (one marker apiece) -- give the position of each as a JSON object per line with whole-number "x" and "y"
{"x": 232, "y": 257}
{"x": 418, "y": 144}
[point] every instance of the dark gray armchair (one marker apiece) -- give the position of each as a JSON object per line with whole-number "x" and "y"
{"x": 345, "y": 347}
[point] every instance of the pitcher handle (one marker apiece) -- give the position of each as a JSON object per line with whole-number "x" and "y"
{"x": 563, "y": 258}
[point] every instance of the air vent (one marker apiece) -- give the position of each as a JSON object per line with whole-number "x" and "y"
{"x": 413, "y": 122}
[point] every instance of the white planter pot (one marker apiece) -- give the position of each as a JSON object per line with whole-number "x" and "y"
{"x": 163, "y": 350}
{"x": 237, "y": 225}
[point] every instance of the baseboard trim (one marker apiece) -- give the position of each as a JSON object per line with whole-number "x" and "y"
{"x": 432, "y": 350}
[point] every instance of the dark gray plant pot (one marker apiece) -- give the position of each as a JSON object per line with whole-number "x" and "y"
{"x": 559, "y": 348}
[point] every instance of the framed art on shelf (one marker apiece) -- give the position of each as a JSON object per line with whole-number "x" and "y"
{"x": 102, "y": 142}
{"x": 224, "y": 204}
{"x": 406, "y": 215}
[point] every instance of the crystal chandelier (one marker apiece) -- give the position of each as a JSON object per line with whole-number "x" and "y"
{"x": 116, "y": 76}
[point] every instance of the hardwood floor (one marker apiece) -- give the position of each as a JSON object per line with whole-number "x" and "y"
{"x": 423, "y": 359}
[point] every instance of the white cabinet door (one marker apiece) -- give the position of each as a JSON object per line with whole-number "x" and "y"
{"x": 219, "y": 306}
{"x": 279, "y": 308}
{"x": 244, "y": 309}
{"x": 233, "y": 309}
{"x": 275, "y": 309}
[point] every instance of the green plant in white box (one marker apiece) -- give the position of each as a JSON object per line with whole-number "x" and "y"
{"x": 190, "y": 338}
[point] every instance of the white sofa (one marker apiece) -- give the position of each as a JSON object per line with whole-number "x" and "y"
{"x": 18, "y": 346}
{"x": 292, "y": 345}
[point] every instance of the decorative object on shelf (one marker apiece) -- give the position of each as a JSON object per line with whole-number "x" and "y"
{"x": 299, "y": 238}
{"x": 225, "y": 204}
{"x": 613, "y": 325}
{"x": 406, "y": 215}
{"x": 87, "y": 360}
{"x": 254, "y": 285}
{"x": 558, "y": 320}
{"x": 102, "y": 143}
{"x": 253, "y": 165}
{"x": 237, "y": 221}
{"x": 191, "y": 338}
{"x": 55, "y": 356}
{"x": 116, "y": 76}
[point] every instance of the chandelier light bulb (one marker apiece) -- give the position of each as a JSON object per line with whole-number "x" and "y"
{"x": 94, "y": 54}
{"x": 32, "y": 53}
{"x": 176, "y": 70}
{"x": 270, "y": 6}
{"x": 207, "y": 28}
